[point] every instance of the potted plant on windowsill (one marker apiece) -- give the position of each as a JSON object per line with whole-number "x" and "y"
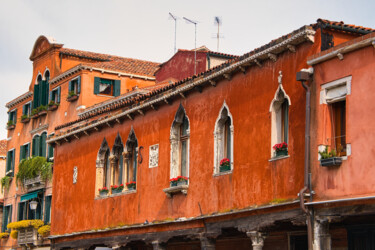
{"x": 178, "y": 181}
{"x": 281, "y": 149}
{"x": 10, "y": 125}
{"x": 103, "y": 191}
{"x": 5, "y": 183}
{"x": 42, "y": 110}
{"x": 329, "y": 158}
{"x": 34, "y": 113}
{"x": 115, "y": 189}
{"x": 52, "y": 105}
{"x": 224, "y": 165}
{"x": 25, "y": 118}
{"x": 131, "y": 185}
{"x": 72, "y": 96}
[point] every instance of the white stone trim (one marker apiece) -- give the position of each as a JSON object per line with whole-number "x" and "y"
{"x": 334, "y": 84}
{"x": 44, "y": 74}
{"x": 218, "y": 154}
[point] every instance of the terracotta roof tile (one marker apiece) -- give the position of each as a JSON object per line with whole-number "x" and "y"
{"x": 117, "y": 63}
{"x": 341, "y": 25}
{"x": 3, "y": 147}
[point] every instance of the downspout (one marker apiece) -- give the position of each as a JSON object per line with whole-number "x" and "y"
{"x": 303, "y": 76}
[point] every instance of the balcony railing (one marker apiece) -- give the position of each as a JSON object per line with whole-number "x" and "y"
{"x": 34, "y": 183}
{"x": 29, "y": 236}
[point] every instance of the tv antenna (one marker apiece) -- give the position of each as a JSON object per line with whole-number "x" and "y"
{"x": 218, "y": 22}
{"x": 175, "y": 28}
{"x": 195, "y": 44}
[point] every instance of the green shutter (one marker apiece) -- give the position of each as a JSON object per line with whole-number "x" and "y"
{"x": 36, "y": 96}
{"x": 22, "y": 152}
{"x": 43, "y": 145}
{"x": 41, "y": 91}
{"x": 9, "y": 161}
{"x": 36, "y": 145}
{"x": 96, "y": 85}
{"x": 15, "y": 116}
{"x": 21, "y": 209}
{"x": 13, "y": 160}
{"x": 58, "y": 94}
{"x": 33, "y": 150}
{"x": 24, "y": 109}
{"x": 5, "y": 218}
{"x": 71, "y": 87}
{"x": 50, "y": 152}
{"x": 79, "y": 85}
{"x": 47, "y": 210}
{"x": 117, "y": 88}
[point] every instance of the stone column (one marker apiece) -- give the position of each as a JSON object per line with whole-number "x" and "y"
{"x": 156, "y": 245}
{"x": 257, "y": 239}
{"x": 322, "y": 238}
{"x": 207, "y": 243}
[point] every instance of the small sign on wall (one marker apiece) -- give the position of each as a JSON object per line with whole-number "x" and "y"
{"x": 75, "y": 175}
{"x": 153, "y": 156}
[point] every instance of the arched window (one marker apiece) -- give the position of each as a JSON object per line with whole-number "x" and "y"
{"x": 41, "y": 91}
{"x": 117, "y": 161}
{"x": 131, "y": 157}
{"x": 103, "y": 167}
{"x": 46, "y": 75}
{"x": 179, "y": 138}
{"x": 279, "y": 118}
{"x": 223, "y": 140}
{"x": 39, "y": 145}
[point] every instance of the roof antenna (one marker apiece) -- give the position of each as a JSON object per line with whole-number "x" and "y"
{"x": 195, "y": 46}
{"x": 175, "y": 29}
{"x": 218, "y": 22}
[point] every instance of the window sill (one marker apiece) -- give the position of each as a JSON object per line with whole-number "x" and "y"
{"x": 72, "y": 98}
{"x": 175, "y": 190}
{"x": 223, "y": 173}
{"x": 114, "y": 195}
{"x": 279, "y": 157}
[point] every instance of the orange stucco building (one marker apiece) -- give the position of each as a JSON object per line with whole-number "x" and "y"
{"x": 213, "y": 160}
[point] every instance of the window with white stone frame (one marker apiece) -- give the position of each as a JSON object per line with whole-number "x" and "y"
{"x": 179, "y": 139}
{"x": 117, "y": 162}
{"x": 103, "y": 167}
{"x": 131, "y": 158}
{"x": 279, "y": 109}
{"x": 333, "y": 98}
{"x": 223, "y": 138}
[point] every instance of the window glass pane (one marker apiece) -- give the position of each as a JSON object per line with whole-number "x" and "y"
{"x": 134, "y": 164}
{"x": 183, "y": 157}
{"x": 339, "y": 124}
{"x": 184, "y": 126}
{"x": 121, "y": 166}
{"x": 228, "y": 138}
{"x": 285, "y": 120}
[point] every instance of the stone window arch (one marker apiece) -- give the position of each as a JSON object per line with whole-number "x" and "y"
{"x": 46, "y": 75}
{"x": 131, "y": 157}
{"x": 223, "y": 138}
{"x": 117, "y": 161}
{"x": 279, "y": 109}
{"x": 180, "y": 140}
{"x": 103, "y": 167}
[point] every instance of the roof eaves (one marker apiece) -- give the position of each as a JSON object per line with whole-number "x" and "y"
{"x": 19, "y": 99}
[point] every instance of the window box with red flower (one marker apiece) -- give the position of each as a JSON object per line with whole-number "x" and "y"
{"x": 131, "y": 185}
{"x": 103, "y": 191}
{"x": 281, "y": 149}
{"x": 115, "y": 189}
{"x": 178, "y": 181}
{"x": 224, "y": 165}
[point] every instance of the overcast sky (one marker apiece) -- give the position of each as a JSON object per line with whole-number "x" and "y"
{"x": 142, "y": 29}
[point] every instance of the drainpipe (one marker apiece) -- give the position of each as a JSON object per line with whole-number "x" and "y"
{"x": 303, "y": 76}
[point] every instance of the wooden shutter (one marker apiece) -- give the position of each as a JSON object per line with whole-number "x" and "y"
{"x": 9, "y": 161}
{"x": 36, "y": 96}
{"x": 5, "y": 218}
{"x": 39, "y": 210}
{"x": 21, "y": 209}
{"x": 33, "y": 150}
{"x": 24, "y": 109}
{"x": 41, "y": 93}
{"x": 79, "y": 85}
{"x": 22, "y": 152}
{"x": 47, "y": 210}
{"x": 58, "y": 94}
{"x": 117, "y": 88}
{"x": 43, "y": 145}
{"x": 15, "y": 116}
{"x": 96, "y": 85}
{"x": 13, "y": 160}
{"x": 36, "y": 145}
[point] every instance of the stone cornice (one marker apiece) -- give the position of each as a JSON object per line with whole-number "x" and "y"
{"x": 19, "y": 99}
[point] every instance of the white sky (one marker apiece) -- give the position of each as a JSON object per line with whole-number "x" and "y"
{"x": 142, "y": 29}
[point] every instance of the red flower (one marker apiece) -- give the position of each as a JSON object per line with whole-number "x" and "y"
{"x": 280, "y": 146}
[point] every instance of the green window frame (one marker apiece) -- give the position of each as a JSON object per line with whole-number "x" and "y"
{"x": 7, "y": 217}
{"x": 75, "y": 85}
{"x": 10, "y": 162}
{"x": 55, "y": 95}
{"x": 39, "y": 145}
{"x": 24, "y": 151}
{"x": 47, "y": 209}
{"x": 12, "y": 117}
{"x": 107, "y": 87}
{"x": 41, "y": 92}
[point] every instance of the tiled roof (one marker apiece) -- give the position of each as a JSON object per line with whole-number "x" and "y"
{"x": 344, "y": 27}
{"x": 3, "y": 147}
{"x": 19, "y": 99}
{"x": 128, "y": 65}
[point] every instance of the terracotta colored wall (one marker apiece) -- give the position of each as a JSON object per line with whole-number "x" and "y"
{"x": 254, "y": 181}
{"x": 181, "y": 65}
{"x": 355, "y": 176}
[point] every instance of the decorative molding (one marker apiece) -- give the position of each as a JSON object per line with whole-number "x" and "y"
{"x": 75, "y": 174}
{"x": 19, "y": 99}
{"x": 153, "y": 156}
{"x": 39, "y": 129}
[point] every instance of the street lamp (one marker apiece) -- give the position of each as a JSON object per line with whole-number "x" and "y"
{"x": 33, "y": 205}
